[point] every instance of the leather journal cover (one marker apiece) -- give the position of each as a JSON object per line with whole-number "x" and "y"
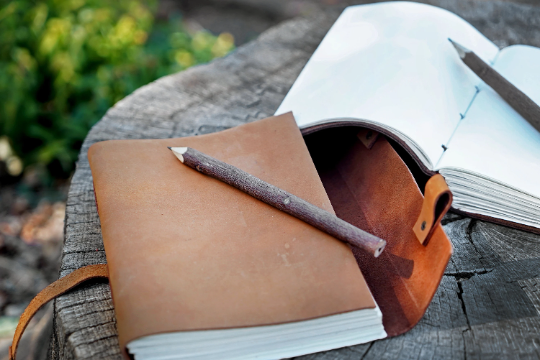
{"x": 188, "y": 252}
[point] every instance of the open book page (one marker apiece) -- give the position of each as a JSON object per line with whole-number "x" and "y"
{"x": 493, "y": 140}
{"x": 391, "y": 63}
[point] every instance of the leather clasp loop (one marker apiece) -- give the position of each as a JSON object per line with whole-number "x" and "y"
{"x": 437, "y": 201}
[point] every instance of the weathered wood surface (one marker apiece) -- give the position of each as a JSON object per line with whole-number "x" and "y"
{"x": 488, "y": 304}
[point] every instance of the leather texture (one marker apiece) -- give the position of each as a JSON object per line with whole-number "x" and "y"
{"x": 374, "y": 190}
{"x": 189, "y": 252}
{"x": 55, "y": 289}
{"x": 437, "y": 201}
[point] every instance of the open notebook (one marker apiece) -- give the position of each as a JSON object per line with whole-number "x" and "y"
{"x": 390, "y": 67}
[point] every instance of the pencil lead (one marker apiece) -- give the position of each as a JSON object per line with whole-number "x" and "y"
{"x": 461, "y": 50}
{"x": 168, "y": 147}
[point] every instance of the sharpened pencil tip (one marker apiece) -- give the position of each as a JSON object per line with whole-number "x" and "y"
{"x": 461, "y": 50}
{"x": 179, "y": 152}
{"x": 168, "y": 147}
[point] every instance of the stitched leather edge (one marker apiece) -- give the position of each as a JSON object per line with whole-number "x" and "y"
{"x": 55, "y": 289}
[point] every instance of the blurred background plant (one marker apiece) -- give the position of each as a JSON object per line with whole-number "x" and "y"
{"x": 63, "y": 63}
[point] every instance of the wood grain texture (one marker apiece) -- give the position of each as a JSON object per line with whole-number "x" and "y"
{"x": 487, "y": 304}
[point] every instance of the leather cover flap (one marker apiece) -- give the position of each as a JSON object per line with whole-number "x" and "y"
{"x": 374, "y": 190}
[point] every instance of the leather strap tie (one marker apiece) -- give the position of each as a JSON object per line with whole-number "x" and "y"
{"x": 55, "y": 289}
{"x": 437, "y": 201}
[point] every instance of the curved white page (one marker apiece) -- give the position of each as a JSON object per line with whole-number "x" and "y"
{"x": 493, "y": 139}
{"x": 391, "y": 63}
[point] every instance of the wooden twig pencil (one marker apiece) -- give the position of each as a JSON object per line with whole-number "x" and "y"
{"x": 511, "y": 94}
{"x": 280, "y": 199}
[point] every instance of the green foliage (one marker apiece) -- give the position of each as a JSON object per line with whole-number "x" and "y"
{"x": 63, "y": 63}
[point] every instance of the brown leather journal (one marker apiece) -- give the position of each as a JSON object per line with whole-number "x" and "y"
{"x": 188, "y": 254}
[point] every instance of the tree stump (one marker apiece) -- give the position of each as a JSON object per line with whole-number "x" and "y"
{"x": 488, "y": 302}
